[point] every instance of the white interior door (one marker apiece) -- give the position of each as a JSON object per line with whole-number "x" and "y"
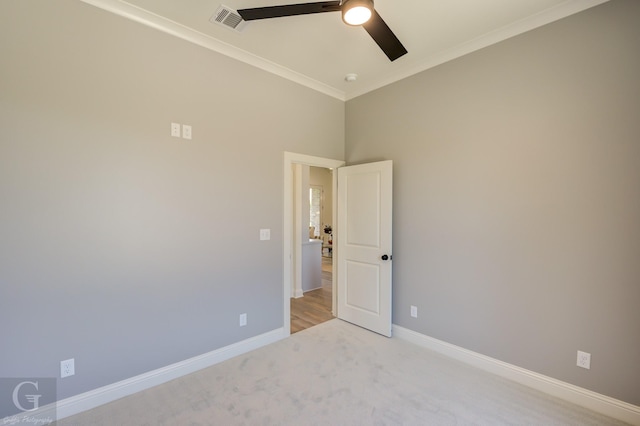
{"x": 364, "y": 245}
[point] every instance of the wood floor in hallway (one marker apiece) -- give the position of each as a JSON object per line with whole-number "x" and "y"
{"x": 315, "y": 306}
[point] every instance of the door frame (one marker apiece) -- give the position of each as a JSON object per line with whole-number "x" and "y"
{"x": 289, "y": 245}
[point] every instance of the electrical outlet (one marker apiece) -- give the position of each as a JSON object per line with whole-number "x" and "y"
{"x": 175, "y": 130}
{"x": 186, "y": 131}
{"x": 584, "y": 360}
{"x": 414, "y": 311}
{"x": 243, "y": 320}
{"x": 67, "y": 368}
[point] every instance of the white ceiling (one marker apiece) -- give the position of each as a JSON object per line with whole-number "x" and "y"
{"x": 319, "y": 50}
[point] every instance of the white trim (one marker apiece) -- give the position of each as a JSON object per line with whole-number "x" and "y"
{"x": 296, "y": 284}
{"x": 594, "y": 401}
{"x": 290, "y": 159}
{"x": 334, "y": 242}
{"x": 168, "y": 26}
{"x": 103, "y": 395}
{"x": 567, "y": 8}
{"x": 175, "y": 29}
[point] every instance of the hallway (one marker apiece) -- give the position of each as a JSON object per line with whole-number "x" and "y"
{"x": 315, "y": 306}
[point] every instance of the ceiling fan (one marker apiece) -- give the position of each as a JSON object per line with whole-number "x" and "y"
{"x": 354, "y": 12}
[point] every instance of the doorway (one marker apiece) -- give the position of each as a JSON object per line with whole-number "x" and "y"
{"x": 312, "y": 303}
{"x": 293, "y": 236}
{"x": 316, "y": 305}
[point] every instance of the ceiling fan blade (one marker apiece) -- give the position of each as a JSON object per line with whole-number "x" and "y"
{"x": 386, "y": 39}
{"x": 289, "y": 10}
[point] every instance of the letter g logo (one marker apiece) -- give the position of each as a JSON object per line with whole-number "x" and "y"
{"x": 31, "y": 398}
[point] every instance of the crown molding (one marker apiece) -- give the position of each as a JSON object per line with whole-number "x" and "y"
{"x": 134, "y": 13}
{"x": 567, "y": 8}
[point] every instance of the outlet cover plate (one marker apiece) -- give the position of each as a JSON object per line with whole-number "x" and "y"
{"x": 175, "y": 130}
{"x": 186, "y": 131}
{"x": 67, "y": 368}
{"x": 414, "y": 311}
{"x": 584, "y": 360}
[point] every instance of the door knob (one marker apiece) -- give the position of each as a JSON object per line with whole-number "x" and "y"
{"x": 386, "y": 257}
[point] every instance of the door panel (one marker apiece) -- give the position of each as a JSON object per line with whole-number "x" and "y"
{"x": 364, "y": 236}
{"x": 363, "y": 210}
{"x": 363, "y": 290}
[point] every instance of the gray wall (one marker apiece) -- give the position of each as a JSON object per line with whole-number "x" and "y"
{"x": 121, "y": 246}
{"x": 516, "y": 181}
{"x": 517, "y": 197}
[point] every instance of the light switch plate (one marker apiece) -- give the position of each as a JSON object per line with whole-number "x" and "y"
{"x": 265, "y": 234}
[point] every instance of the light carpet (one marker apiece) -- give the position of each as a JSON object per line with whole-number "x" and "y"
{"x": 339, "y": 374}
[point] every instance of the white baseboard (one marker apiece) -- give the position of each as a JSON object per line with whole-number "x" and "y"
{"x": 594, "y": 401}
{"x": 96, "y": 397}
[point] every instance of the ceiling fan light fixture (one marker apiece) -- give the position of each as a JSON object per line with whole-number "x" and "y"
{"x": 357, "y": 12}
